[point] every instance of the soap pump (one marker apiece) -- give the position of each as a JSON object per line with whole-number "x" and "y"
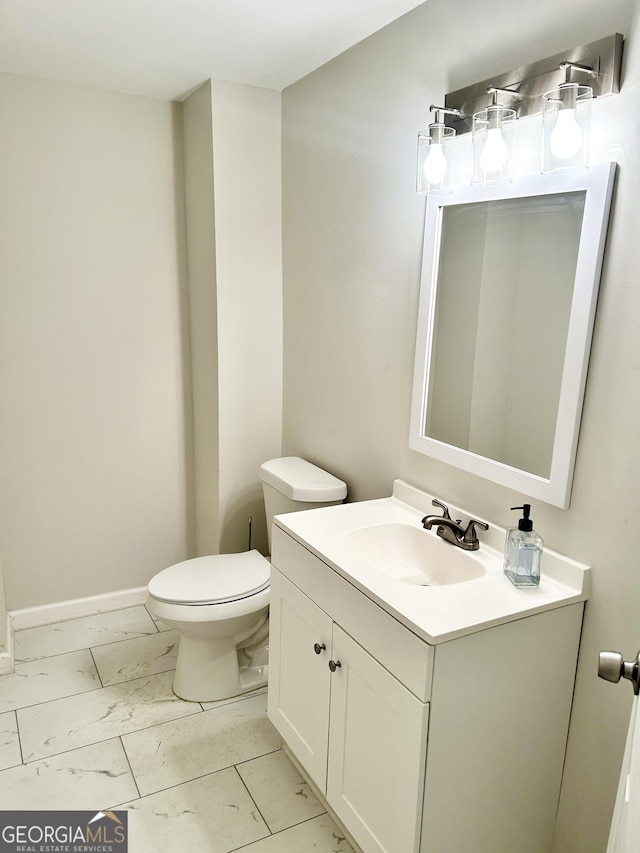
{"x": 522, "y": 551}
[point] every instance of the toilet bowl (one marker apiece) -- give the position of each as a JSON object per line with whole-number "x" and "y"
{"x": 220, "y": 603}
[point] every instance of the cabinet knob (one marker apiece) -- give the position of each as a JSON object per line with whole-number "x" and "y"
{"x": 317, "y": 648}
{"x": 334, "y": 664}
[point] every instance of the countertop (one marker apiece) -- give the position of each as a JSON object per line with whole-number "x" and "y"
{"x": 435, "y": 613}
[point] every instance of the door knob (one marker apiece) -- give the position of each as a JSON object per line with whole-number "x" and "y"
{"x": 334, "y": 664}
{"x": 317, "y": 648}
{"x": 612, "y": 667}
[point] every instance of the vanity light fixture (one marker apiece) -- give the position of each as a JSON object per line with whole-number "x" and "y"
{"x": 492, "y": 140}
{"x": 544, "y": 86}
{"x": 435, "y": 154}
{"x": 566, "y": 120}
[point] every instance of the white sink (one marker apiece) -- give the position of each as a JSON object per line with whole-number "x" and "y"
{"x": 435, "y": 589}
{"x": 413, "y": 555}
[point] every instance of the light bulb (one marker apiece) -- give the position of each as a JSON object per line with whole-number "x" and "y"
{"x": 435, "y": 166}
{"x": 495, "y": 152}
{"x": 566, "y": 136}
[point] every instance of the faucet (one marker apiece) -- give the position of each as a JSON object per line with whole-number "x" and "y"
{"x": 452, "y": 531}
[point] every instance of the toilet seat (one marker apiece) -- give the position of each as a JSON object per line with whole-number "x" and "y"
{"x": 216, "y": 579}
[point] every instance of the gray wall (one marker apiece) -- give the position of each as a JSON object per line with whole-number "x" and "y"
{"x": 93, "y": 342}
{"x": 140, "y": 343}
{"x": 352, "y": 247}
{"x": 234, "y": 241}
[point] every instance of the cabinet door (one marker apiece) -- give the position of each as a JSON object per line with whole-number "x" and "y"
{"x": 299, "y": 677}
{"x": 377, "y": 752}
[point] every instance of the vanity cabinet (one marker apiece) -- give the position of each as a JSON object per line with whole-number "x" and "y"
{"x": 359, "y": 733}
{"x": 419, "y": 747}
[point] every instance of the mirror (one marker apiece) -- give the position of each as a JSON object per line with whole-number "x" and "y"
{"x": 510, "y": 278}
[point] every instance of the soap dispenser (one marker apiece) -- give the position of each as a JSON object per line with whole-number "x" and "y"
{"x": 522, "y": 551}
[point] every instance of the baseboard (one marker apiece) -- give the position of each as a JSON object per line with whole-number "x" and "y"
{"x": 6, "y": 654}
{"x": 47, "y": 614}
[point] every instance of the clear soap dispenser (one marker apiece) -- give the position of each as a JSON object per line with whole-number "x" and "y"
{"x": 522, "y": 551}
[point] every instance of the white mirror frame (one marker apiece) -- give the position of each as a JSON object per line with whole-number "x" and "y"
{"x": 597, "y": 182}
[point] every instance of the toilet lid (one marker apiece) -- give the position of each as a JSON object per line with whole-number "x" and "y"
{"x": 212, "y": 580}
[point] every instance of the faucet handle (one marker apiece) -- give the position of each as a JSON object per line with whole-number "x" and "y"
{"x": 470, "y": 534}
{"x": 443, "y": 507}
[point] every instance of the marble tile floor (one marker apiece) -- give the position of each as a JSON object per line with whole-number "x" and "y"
{"x": 89, "y": 721}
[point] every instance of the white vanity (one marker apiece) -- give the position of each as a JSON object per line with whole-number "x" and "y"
{"x": 426, "y": 697}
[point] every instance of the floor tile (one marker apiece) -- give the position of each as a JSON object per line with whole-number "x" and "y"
{"x": 102, "y": 714}
{"x": 213, "y": 814}
{"x": 185, "y": 749}
{"x": 219, "y": 702}
{"x": 279, "y": 791}
{"x": 142, "y": 656}
{"x": 49, "y": 678}
{"x": 212, "y": 780}
{"x": 160, "y": 625}
{"x": 319, "y": 835}
{"x": 82, "y": 633}
{"x": 89, "y": 778}
{"x": 10, "y": 754}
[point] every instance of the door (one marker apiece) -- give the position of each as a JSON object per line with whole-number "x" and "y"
{"x": 299, "y": 675}
{"x": 377, "y": 751}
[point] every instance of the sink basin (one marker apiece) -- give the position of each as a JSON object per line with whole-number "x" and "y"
{"x": 413, "y": 555}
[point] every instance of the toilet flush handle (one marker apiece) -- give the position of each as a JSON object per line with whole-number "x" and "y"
{"x": 612, "y": 667}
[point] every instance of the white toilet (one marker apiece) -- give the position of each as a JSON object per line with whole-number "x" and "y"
{"x": 220, "y": 603}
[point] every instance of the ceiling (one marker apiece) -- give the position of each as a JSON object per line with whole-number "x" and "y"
{"x": 166, "y": 48}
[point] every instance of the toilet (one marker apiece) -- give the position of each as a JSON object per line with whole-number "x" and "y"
{"x": 220, "y": 603}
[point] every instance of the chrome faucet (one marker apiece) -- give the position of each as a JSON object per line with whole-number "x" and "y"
{"x": 452, "y": 531}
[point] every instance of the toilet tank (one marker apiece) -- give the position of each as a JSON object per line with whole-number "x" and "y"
{"x": 290, "y": 484}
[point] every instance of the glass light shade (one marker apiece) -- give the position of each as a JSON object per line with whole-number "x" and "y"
{"x": 434, "y": 171}
{"x": 566, "y": 121}
{"x": 493, "y": 145}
